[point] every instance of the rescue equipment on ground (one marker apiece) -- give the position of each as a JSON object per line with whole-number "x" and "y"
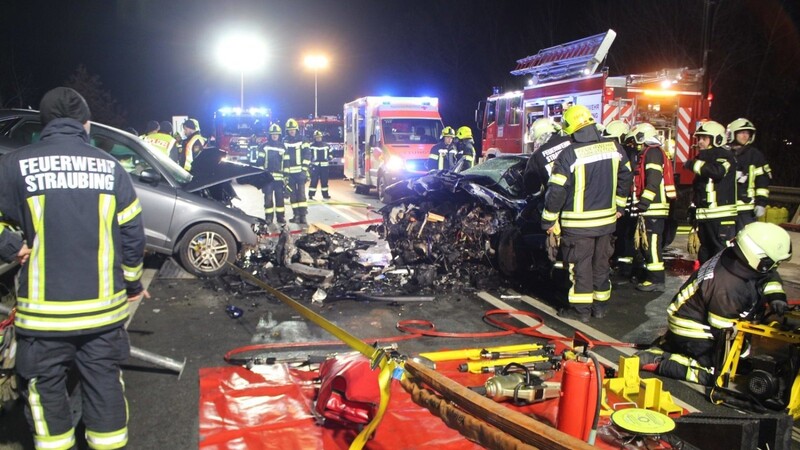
{"x": 348, "y": 392}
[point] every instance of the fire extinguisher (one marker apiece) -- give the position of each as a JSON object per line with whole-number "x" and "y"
{"x": 579, "y": 405}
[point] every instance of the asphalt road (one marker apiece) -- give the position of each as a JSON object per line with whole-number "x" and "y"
{"x": 186, "y": 318}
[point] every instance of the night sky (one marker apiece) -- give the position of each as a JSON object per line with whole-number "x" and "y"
{"x": 156, "y": 58}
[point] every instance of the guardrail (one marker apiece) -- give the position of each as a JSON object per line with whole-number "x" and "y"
{"x": 784, "y": 194}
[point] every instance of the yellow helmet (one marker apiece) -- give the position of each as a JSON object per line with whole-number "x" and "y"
{"x": 763, "y": 246}
{"x": 713, "y": 129}
{"x": 448, "y": 132}
{"x": 543, "y": 126}
{"x": 577, "y": 117}
{"x": 616, "y": 129}
{"x": 741, "y": 125}
{"x": 464, "y": 133}
{"x": 275, "y": 129}
{"x": 291, "y": 124}
{"x": 643, "y": 133}
{"x": 317, "y": 133}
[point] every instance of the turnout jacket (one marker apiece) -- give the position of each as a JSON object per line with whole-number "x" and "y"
{"x": 653, "y": 201}
{"x": 718, "y": 294}
{"x": 714, "y": 187}
{"x": 297, "y": 156}
{"x": 540, "y": 164}
{"x": 270, "y": 157}
{"x": 590, "y": 183}
{"x": 82, "y": 220}
{"x": 466, "y": 151}
{"x": 320, "y": 154}
{"x": 753, "y": 176}
{"x": 442, "y": 156}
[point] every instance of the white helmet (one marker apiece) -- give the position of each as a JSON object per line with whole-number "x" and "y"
{"x": 763, "y": 246}
{"x": 644, "y": 133}
{"x": 616, "y": 129}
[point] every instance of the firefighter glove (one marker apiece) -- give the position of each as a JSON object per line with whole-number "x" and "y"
{"x": 759, "y": 211}
{"x": 778, "y": 307}
{"x": 693, "y": 243}
{"x": 641, "y": 207}
{"x": 689, "y": 164}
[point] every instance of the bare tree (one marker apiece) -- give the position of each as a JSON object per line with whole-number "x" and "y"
{"x": 102, "y": 104}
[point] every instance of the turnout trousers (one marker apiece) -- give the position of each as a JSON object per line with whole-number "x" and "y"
{"x": 654, "y": 254}
{"x": 319, "y": 175}
{"x": 714, "y": 236}
{"x": 688, "y": 359}
{"x": 273, "y": 200}
{"x": 297, "y": 181}
{"x": 589, "y": 268}
{"x": 43, "y": 363}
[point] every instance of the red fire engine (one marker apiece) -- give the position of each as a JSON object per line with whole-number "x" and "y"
{"x": 237, "y": 129}
{"x": 564, "y": 75}
{"x": 332, "y": 134}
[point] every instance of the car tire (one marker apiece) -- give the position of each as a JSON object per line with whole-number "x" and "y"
{"x": 381, "y": 189}
{"x": 205, "y": 249}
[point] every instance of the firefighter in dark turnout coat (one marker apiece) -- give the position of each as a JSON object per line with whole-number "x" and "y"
{"x": 753, "y": 174}
{"x": 320, "y": 169}
{"x": 82, "y": 220}
{"x": 295, "y": 166}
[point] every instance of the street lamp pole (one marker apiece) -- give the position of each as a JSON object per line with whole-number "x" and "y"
{"x": 241, "y": 90}
{"x": 242, "y": 53}
{"x": 315, "y": 92}
{"x": 316, "y": 62}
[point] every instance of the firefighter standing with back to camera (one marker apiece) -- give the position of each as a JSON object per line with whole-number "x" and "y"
{"x": 320, "y": 170}
{"x": 753, "y": 174}
{"x": 270, "y": 158}
{"x": 713, "y": 189}
{"x": 83, "y": 267}
{"x": 736, "y": 284}
{"x": 654, "y": 192}
{"x": 587, "y": 193}
{"x": 295, "y": 166}
{"x": 548, "y": 142}
{"x": 443, "y": 154}
{"x": 465, "y": 156}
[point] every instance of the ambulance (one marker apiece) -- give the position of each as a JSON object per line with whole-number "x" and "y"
{"x": 561, "y": 76}
{"x": 388, "y": 139}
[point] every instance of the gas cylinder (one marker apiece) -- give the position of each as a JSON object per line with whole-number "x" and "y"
{"x": 576, "y": 407}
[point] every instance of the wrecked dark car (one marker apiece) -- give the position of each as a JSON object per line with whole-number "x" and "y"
{"x": 460, "y": 222}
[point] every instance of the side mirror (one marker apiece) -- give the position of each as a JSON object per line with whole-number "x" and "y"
{"x": 150, "y": 176}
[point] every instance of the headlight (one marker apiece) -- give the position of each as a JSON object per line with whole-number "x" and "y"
{"x": 395, "y": 164}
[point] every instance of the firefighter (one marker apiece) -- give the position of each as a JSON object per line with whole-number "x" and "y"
{"x": 465, "y": 155}
{"x": 443, "y": 154}
{"x": 192, "y": 145}
{"x": 548, "y": 142}
{"x": 616, "y": 130}
{"x": 162, "y": 139}
{"x": 714, "y": 190}
{"x": 737, "y": 283}
{"x": 295, "y": 166}
{"x": 151, "y": 128}
{"x": 586, "y": 192}
{"x": 320, "y": 170}
{"x": 165, "y": 127}
{"x": 753, "y": 174}
{"x": 653, "y": 192}
{"x": 624, "y": 251}
{"x": 82, "y": 269}
{"x": 270, "y": 156}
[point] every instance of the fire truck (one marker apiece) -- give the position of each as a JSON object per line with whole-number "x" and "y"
{"x": 236, "y": 130}
{"x": 561, "y": 76}
{"x": 388, "y": 139}
{"x": 332, "y": 129}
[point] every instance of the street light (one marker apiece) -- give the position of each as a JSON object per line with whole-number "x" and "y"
{"x": 316, "y": 62}
{"x": 242, "y": 52}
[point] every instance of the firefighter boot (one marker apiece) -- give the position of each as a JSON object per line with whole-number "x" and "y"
{"x": 299, "y": 219}
{"x": 649, "y": 360}
{"x": 280, "y": 218}
{"x": 311, "y": 194}
{"x": 580, "y": 313}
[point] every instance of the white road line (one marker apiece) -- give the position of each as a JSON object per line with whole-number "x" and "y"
{"x": 497, "y": 303}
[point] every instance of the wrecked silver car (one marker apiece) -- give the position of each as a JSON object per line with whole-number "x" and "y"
{"x": 459, "y": 222}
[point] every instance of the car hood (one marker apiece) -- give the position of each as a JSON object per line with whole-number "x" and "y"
{"x": 209, "y": 169}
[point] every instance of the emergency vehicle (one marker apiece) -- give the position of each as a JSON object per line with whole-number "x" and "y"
{"x": 237, "y": 129}
{"x": 332, "y": 129}
{"x": 388, "y": 139}
{"x": 561, "y": 76}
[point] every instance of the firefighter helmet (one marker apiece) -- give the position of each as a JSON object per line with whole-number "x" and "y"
{"x": 577, "y": 117}
{"x": 464, "y": 133}
{"x": 448, "y": 132}
{"x": 713, "y": 129}
{"x": 317, "y": 134}
{"x": 763, "y": 246}
{"x": 275, "y": 129}
{"x": 543, "y": 126}
{"x": 616, "y": 129}
{"x": 192, "y": 124}
{"x": 738, "y": 125}
{"x": 643, "y": 133}
{"x": 291, "y": 124}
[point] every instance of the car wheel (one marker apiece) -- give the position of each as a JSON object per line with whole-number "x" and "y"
{"x": 361, "y": 189}
{"x": 205, "y": 250}
{"x": 381, "y": 188}
{"x": 512, "y": 258}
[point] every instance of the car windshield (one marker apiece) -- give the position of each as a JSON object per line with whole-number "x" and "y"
{"x": 331, "y": 132}
{"x": 505, "y": 171}
{"x": 244, "y": 125}
{"x": 167, "y": 165}
{"x": 411, "y": 131}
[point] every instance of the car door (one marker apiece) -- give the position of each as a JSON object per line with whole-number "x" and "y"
{"x": 157, "y": 196}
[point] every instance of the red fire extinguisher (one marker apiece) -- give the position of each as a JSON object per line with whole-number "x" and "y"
{"x": 577, "y": 406}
